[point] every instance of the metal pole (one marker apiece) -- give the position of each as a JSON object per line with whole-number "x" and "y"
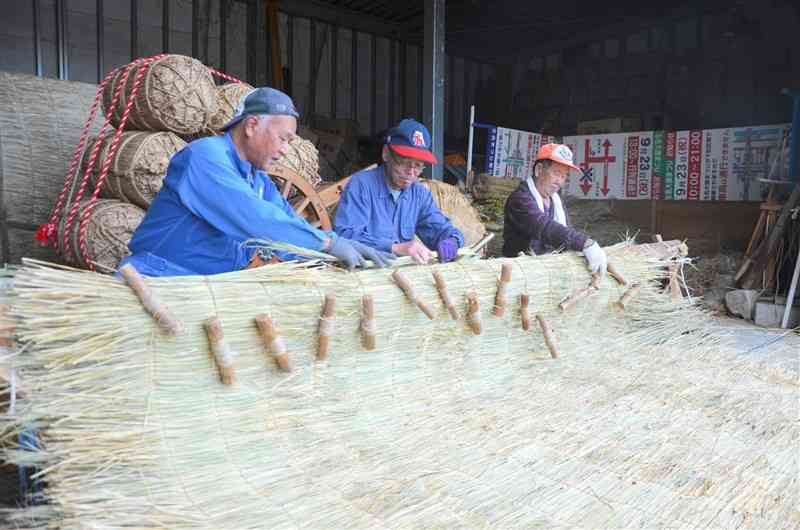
{"x": 434, "y": 77}
{"x": 794, "y": 134}
{"x": 392, "y": 81}
{"x": 373, "y": 84}
{"x": 311, "y": 103}
{"x": 402, "y": 76}
{"x": 223, "y": 33}
{"x": 471, "y": 134}
{"x": 334, "y": 68}
{"x": 354, "y": 76}
{"x": 100, "y": 21}
{"x": 790, "y": 297}
{"x": 195, "y": 28}
{"x": 134, "y": 29}
{"x": 61, "y": 39}
{"x": 165, "y": 26}
{"x": 37, "y": 38}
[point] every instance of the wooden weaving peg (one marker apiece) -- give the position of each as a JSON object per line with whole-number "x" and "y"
{"x": 474, "y": 313}
{"x": 441, "y": 286}
{"x": 326, "y": 326}
{"x": 159, "y": 311}
{"x": 549, "y": 337}
{"x": 273, "y": 342}
{"x": 580, "y": 294}
{"x": 614, "y": 273}
{"x": 674, "y": 287}
{"x": 368, "y": 326}
{"x": 524, "y": 300}
{"x": 500, "y": 297}
{"x": 402, "y": 282}
{"x": 223, "y": 357}
{"x": 632, "y": 291}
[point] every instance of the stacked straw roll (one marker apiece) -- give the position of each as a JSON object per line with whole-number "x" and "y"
{"x": 457, "y": 207}
{"x": 138, "y": 167}
{"x": 177, "y": 101}
{"x": 177, "y": 94}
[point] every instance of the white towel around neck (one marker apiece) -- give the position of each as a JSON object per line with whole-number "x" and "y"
{"x": 560, "y": 216}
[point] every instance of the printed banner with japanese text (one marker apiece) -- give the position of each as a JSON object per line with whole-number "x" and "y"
{"x": 708, "y": 165}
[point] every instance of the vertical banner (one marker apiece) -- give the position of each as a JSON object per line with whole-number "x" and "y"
{"x": 681, "y": 165}
{"x": 695, "y": 165}
{"x": 632, "y": 167}
{"x": 491, "y": 148}
{"x": 645, "y": 165}
{"x": 657, "y": 179}
{"x": 513, "y": 152}
{"x": 754, "y": 152}
{"x": 724, "y": 165}
{"x": 670, "y": 139}
{"x": 602, "y": 159}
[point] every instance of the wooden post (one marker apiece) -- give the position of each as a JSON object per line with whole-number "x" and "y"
{"x": 549, "y": 337}
{"x": 474, "y": 313}
{"x": 499, "y": 308}
{"x": 223, "y": 357}
{"x": 441, "y": 286}
{"x": 524, "y": 300}
{"x": 273, "y": 342}
{"x": 674, "y": 285}
{"x": 326, "y": 326}
{"x": 632, "y": 291}
{"x": 402, "y": 282}
{"x": 164, "y": 317}
{"x": 580, "y": 294}
{"x": 368, "y": 322}
{"x": 614, "y": 273}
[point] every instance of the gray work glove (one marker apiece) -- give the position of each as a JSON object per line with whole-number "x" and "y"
{"x": 353, "y": 254}
{"x": 597, "y": 259}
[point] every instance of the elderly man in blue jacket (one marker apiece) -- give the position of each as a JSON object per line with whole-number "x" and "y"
{"x": 386, "y": 207}
{"x": 217, "y": 195}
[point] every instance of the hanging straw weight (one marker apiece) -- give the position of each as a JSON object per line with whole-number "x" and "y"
{"x": 138, "y": 167}
{"x": 178, "y": 95}
{"x": 109, "y": 228}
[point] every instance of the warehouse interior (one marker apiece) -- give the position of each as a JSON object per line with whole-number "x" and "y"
{"x": 629, "y": 87}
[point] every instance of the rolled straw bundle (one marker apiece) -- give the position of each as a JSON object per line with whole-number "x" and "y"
{"x": 228, "y": 97}
{"x": 436, "y": 427}
{"x": 109, "y": 229}
{"x": 138, "y": 167}
{"x": 458, "y": 209}
{"x": 177, "y": 94}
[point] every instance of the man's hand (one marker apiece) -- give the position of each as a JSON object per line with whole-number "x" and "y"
{"x": 353, "y": 254}
{"x": 447, "y": 249}
{"x": 414, "y": 248}
{"x": 596, "y": 258}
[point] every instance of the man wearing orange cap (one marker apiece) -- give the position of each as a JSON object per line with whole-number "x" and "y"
{"x": 536, "y": 220}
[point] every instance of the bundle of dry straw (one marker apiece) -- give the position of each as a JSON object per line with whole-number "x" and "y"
{"x": 438, "y": 426}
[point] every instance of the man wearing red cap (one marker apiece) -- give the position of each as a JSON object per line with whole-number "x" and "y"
{"x": 386, "y": 207}
{"x": 536, "y": 219}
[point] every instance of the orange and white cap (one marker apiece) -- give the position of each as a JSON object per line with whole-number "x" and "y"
{"x": 559, "y": 153}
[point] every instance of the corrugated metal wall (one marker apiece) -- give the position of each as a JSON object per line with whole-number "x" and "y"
{"x": 376, "y": 84}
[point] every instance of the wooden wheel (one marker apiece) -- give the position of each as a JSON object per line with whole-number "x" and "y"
{"x": 302, "y": 196}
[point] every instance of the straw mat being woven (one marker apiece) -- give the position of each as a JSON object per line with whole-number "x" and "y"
{"x": 645, "y": 420}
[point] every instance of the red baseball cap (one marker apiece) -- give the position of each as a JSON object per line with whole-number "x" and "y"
{"x": 411, "y": 139}
{"x": 559, "y": 153}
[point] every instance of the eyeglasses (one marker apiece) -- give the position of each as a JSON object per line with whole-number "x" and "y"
{"x": 407, "y": 163}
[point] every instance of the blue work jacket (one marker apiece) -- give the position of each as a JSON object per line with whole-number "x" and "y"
{"x": 210, "y": 203}
{"x": 368, "y": 213}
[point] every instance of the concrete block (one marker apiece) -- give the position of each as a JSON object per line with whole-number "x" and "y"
{"x": 769, "y": 315}
{"x": 741, "y": 302}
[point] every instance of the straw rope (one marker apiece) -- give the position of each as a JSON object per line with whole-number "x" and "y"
{"x": 645, "y": 419}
